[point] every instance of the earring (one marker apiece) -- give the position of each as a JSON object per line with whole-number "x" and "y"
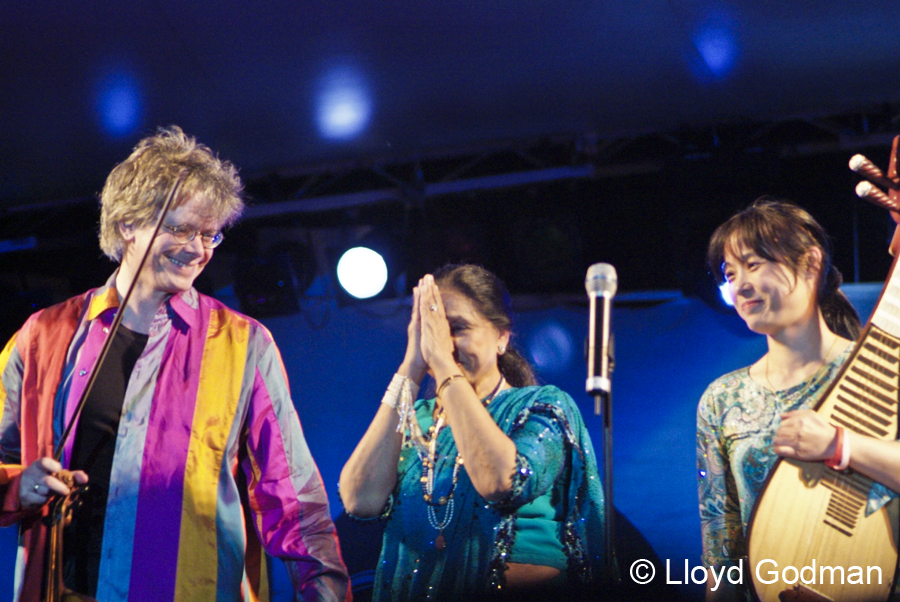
{"x": 501, "y": 349}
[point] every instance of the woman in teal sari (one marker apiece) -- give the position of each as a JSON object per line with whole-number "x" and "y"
{"x": 491, "y": 486}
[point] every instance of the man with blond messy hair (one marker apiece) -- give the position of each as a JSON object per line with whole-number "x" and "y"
{"x": 189, "y": 441}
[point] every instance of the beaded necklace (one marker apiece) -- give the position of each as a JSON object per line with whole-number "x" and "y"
{"x": 428, "y": 473}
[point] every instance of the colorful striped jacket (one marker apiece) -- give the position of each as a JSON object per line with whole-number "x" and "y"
{"x": 208, "y": 442}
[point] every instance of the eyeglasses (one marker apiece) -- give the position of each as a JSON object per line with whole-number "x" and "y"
{"x": 184, "y": 234}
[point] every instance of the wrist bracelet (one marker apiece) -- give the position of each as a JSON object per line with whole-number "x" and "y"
{"x": 845, "y": 454}
{"x": 392, "y": 394}
{"x": 836, "y": 460}
{"x": 446, "y": 383}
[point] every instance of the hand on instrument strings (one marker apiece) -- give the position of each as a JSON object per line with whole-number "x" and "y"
{"x": 38, "y": 483}
{"x": 414, "y": 365}
{"x": 436, "y": 341}
{"x": 804, "y": 435}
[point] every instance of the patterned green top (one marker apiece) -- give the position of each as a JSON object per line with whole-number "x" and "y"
{"x": 736, "y": 421}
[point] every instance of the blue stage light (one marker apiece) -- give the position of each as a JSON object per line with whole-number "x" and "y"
{"x": 717, "y": 49}
{"x": 344, "y": 105}
{"x": 715, "y": 42}
{"x": 119, "y": 104}
{"x": 362, "y": 272}
{"x": 725, "y": 291}
{"x": 551, "y": 348}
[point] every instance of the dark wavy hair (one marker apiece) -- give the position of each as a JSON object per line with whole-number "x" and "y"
{"x": 491, "y": 299}
{"x": 782, "y": 232}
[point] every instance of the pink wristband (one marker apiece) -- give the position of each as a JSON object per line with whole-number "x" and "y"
{"x": 835, "y": 460}
{"x": 845, "y": 454}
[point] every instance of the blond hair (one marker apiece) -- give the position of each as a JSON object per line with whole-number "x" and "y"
{"x": 137, "y": 188}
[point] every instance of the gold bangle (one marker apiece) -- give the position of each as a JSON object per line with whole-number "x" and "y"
{"x": 446, "y": 383}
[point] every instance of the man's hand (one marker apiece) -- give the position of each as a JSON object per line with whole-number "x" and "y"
{"x": 38, "y": 483}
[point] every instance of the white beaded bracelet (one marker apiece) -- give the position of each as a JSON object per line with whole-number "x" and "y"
{"x": 392, "y": 395}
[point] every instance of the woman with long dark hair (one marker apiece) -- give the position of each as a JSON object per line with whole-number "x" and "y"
{"x": 776, "y": 260}
{"x": 489, "y": 486}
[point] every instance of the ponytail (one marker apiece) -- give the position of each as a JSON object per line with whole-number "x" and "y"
{"x": 516, "y": 369}
{"x": 840, "y": 315}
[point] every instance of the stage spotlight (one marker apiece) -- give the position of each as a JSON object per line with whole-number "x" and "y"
{"x": 717, "y": 49}
{"x": 716, "y": 44}
{"x": 725, "y": 291}
{"x": 119, "y": 104}
{"x": 551, "y": 348}
{"x": 368, "y": 265}
{"x": 362, "y": 272}
{"x": 697, "y": 282}
{"x": 344, "y": 104}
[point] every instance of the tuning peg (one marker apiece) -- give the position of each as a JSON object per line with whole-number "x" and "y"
{"x": 870, "y": 171}
{"x": 865, "y": 190}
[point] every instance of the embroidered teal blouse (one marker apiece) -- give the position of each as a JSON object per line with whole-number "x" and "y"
{"x": 556, "y": 477}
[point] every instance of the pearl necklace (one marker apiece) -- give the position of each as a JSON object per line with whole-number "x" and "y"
{"x": 428, "y": 474}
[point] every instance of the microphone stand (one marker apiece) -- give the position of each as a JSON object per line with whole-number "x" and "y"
{"x": 603, "y": 407}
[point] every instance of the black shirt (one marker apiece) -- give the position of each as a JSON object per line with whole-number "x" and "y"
{"x": 92, "y": 452}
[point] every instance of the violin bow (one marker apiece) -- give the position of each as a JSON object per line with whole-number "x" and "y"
{"x": 57, "y": 454}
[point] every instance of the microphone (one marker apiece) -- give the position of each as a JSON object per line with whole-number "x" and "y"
{"x": 601, "y": 283}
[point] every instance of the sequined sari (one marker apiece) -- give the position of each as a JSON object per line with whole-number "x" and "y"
{"x": 554, "y": 454}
